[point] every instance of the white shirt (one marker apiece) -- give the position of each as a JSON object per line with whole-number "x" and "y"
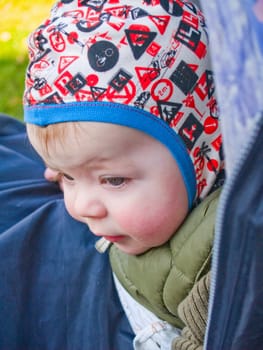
{"x": 151, "y": 332}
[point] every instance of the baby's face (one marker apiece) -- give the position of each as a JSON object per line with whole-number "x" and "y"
{"x": 123, "y": 184}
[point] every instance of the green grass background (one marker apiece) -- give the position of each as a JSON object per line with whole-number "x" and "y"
{"x": 18, "y": 19}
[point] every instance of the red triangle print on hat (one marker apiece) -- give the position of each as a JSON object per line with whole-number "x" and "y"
{"x": 65, "y": 61}
{"x": 119, "y": 11}
{"x": 161, "y": 22}
{"x": 147, "y": 75}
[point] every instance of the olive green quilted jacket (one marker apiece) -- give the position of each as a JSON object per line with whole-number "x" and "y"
{"x": 162, "y": 277}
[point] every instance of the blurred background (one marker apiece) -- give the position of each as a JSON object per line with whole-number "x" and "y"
{"x": 18, "y": 19}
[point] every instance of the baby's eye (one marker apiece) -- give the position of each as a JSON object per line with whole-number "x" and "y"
{"x": 67, "y": 177}
{"x": 114, "y": 181}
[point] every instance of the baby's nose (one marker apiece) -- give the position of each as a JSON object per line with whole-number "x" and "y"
{"x": 87, "y": 207}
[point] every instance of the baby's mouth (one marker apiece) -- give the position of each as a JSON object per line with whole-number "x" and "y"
{"x": 104, "y": 242}
{"x": 114, "y": 239}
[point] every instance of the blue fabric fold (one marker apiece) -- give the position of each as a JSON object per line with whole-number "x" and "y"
{"x": 56, "y": 291}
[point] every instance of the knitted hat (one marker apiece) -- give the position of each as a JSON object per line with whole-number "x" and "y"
{"x": 142, "y": 64}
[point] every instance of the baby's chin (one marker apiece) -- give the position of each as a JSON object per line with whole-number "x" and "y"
{"x": 132, "y": 250}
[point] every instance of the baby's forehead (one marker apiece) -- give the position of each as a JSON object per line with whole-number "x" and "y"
{"x": 95, "y": 144}
{"x": 98, "y": 136}
{"x": 101, "y": 132}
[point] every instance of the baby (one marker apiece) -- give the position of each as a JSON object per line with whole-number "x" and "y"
{"x": 120, "y": 101}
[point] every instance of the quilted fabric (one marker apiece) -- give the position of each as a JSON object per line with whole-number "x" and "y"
{"x": 162, "y": 277}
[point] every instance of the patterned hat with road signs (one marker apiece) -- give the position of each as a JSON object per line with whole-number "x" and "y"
{"x": 142, "y": 64}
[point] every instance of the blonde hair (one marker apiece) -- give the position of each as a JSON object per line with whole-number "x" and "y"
{"x": 45, "y": 138}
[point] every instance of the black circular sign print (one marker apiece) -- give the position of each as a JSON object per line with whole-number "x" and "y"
{"x": 172, "y": 7}
{"x": 103, "y": 55}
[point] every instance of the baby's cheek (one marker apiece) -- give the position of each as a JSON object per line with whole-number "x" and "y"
{"x": 69, "y": 204}
{"x": 140, "y": 224}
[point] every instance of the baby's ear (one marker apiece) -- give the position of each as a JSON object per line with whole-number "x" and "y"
{"x": 53, "y": 176}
